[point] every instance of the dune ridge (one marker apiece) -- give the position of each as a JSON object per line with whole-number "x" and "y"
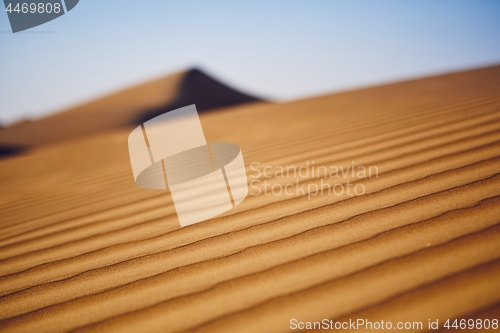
{"x": 124, "y": 108}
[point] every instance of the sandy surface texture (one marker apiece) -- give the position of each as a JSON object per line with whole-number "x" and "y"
{"x": 83, "y": 249}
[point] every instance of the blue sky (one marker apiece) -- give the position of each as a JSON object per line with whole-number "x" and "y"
{"x": 277, "y": 49}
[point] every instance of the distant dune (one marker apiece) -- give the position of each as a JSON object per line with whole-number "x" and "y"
{"x": 83, "y": 249}
{"x": 130, "y": 106}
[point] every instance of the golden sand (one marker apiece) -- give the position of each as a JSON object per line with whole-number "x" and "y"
{"x": 83, "y": 248}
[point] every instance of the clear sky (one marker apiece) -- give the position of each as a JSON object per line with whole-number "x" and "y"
{"x": 277, "y": 49}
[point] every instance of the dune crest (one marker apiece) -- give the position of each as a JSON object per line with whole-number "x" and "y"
{"x": 124, "y": 108}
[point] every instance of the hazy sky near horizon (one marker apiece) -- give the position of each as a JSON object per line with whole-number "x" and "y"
{"x": 275, "y": 49}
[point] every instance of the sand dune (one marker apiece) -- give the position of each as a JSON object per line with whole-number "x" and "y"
{"x": 82, "y": 248}
{"x": 124, "y": 108}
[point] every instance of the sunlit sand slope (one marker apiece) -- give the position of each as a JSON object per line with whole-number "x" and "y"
{"x": 83, "y": 248}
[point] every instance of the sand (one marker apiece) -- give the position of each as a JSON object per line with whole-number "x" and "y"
{"x": 82, "y": 248}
